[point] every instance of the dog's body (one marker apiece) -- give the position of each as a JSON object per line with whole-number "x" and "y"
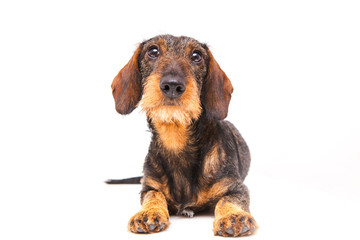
{"x": 196, "y": 160}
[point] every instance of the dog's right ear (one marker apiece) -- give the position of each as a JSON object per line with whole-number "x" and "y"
{"x": 217, "y": 90}
{"x": 126, "y": 86}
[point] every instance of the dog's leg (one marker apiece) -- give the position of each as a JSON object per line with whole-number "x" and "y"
{"x": 232, "y": 215}
{"x": 153, "y": 216}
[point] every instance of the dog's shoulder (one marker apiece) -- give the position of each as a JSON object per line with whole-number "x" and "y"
{"x": 228, "y": 153}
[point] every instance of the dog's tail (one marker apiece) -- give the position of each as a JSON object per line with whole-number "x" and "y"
{"x": 133, "y": 180}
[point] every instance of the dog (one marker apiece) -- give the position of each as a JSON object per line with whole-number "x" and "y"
{"x": 196, "y": 161}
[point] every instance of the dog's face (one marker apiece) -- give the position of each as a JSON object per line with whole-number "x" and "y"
{"x": 174, "y": 79}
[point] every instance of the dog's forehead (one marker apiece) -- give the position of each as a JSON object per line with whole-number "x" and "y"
{"x": 174, "y": 44}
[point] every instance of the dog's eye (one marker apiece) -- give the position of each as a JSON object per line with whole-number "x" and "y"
{"x": 196, "y": 57}
{"x": 153, "y": 52}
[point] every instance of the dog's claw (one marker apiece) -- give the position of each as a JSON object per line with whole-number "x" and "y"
{"x": 152, "y": 227}
{"x": 140, "y": 230}
{"x": 230, "y": 231}
{"x": 244, "y": 229}
{"x": 162, "y": 226}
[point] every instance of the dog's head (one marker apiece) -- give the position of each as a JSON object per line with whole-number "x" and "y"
{"x": 174, "y": 79}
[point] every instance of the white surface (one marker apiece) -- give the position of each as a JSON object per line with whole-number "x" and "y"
{"x": 295, "y": 70}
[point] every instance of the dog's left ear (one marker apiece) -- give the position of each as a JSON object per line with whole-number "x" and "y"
{"x": 216, "y": 90}
{"x": 126, "y": 86}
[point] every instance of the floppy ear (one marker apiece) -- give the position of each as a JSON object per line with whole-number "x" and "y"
{"x": 216, "y": 91}
{"x": 126, "y": 86}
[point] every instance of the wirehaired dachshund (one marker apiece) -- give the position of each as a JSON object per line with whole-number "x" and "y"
{"x": 196, "y": 161}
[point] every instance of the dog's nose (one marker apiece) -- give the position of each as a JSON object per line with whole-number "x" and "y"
{"x": 172, "y": 86}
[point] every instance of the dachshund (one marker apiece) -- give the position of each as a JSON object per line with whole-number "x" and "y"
{"x": 196, "y": 161}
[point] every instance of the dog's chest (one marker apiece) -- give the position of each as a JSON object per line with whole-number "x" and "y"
{"x": 188, "y": 188}
{"x": 197, "y": 194}
{"x": 181, "y": 184}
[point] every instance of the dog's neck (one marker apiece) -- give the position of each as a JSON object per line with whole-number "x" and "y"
{"x": 173, "y": 136}
{"x": 176, "y": 137}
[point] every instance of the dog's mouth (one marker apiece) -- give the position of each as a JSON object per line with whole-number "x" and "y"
{"x": 171, "y": 102}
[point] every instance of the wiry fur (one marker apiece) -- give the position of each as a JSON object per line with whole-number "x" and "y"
{"x": 196, "y": 160}
{"x": 183, "y": 111}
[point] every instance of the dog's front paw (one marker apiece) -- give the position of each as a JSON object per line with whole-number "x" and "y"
{"x": 149, "y": 221}
{"x": 235, "y": 225}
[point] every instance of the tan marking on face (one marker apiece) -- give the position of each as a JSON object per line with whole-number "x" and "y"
{"x": 171, "y": 121}
{"x": 183, "y": 110}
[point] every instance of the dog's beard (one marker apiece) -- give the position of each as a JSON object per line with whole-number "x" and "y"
{"x": 182, "y": 111}
{"x": 172, "y": 114}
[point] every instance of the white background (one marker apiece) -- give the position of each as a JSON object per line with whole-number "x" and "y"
{"x": 295, "y": 67}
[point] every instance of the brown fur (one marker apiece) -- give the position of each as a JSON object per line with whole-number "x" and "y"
{"x": 126, "y": 86}
{"x": 196, "y": 160}
{"x": 154, "y": 103}
{"x": 217, "y": 90}
{"x": 173, "y": 136}
{"x": 153, "y": 216}
{"x": 212, "y": 160}
{"x": 232, "y": 220}
{"x": 214, "y": 192}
